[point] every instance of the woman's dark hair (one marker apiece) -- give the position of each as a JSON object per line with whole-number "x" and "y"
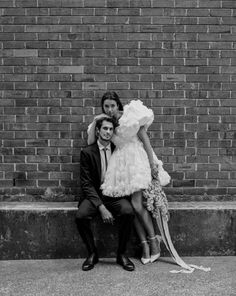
{"x": 111, "y": 95}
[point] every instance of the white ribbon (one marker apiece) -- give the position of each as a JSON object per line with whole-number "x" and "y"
{"x": 165, "y": 234}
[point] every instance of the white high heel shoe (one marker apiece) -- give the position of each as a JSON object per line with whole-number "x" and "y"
{"x": 145, "y": 260}
{"x": 154, "y": 258}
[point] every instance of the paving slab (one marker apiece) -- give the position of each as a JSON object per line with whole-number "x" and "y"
{"x": 64, "y": 277}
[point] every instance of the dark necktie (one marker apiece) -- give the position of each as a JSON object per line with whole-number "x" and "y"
{"x": 105, "y": 149}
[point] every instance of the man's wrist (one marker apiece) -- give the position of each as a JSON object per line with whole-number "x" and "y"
{"x": 101, "y": 207}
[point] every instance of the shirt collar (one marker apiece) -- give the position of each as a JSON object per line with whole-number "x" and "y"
{"x": 101, "y": 147}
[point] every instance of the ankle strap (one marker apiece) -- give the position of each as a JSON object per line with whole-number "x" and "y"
{"x": 144, "y": 242}
{"x": 154, "y": 237}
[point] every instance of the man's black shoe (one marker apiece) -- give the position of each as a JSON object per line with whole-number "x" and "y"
{"x": 90, "y": 262}
{"x": 125, "y": 262}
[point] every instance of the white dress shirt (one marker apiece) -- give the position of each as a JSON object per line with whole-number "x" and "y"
{"x": 103, "y": 160}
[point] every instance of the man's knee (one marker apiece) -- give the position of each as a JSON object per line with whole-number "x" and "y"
{"x": 81, "y": 215}
{"x": 127, "y": 209}
{"x": 86, "y": 210}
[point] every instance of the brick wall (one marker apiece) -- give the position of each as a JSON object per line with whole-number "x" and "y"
{"x": 57, "y": 57}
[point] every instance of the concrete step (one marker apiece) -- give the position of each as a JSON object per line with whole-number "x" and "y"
{"x": 47, "y": 230}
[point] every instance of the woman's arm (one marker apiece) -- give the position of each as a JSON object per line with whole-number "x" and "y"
{"x": 91, "y": 133}
{"x": 143, "y": 136}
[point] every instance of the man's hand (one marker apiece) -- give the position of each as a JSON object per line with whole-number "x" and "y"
{"x": 106, "y": 215}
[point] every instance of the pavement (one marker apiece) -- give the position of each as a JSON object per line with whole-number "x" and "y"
{"x": 65, "y": 277}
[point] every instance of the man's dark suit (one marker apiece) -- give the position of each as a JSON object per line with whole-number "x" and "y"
{"x": 90, "y": 177}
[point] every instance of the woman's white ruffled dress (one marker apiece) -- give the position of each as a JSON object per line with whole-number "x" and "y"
{"x": 129, "y": 170}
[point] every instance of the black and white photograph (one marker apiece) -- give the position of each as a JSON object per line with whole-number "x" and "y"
{"x": 117, "y": 147}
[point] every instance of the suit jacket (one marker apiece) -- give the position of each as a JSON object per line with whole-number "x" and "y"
{"x": 90, "y": 173}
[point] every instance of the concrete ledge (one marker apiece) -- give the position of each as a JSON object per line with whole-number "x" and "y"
{"x": 41, "y": 230}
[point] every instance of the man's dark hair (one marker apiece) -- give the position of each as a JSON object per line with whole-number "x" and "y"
{"x": 100, "y": 121}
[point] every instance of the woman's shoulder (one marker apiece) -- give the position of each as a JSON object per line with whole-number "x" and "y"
{"x": 135, "y": 112}
{"x": 138, "y": 109}
{"x": 137, "y": 105}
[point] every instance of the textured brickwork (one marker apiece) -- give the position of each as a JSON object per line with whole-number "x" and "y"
{"x": 57, "y": 57}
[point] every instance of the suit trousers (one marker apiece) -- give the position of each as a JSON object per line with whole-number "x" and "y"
{"x": 120, "y": 208}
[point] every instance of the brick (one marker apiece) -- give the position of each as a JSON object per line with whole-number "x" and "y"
{"x": 42, "y": 122}
{"x": 69, "y": 151}
{"x": 117, "y": 19}
{"x": 118, "y": 3}
{"x": 48, "y": 134}
{"x": 183, "y": 183}
{"x": 37, "y": 176}
{"x": 165, "y": 4}
{"x": 47, "y": 151}
{"x": 6, "y": 151}
{"x": 173, "y": 77}
{"x": 94, "y": 85}
{"x": 126, "y": 11}
{"x": 5, "y": 183}
{"x": 48, "y": 167}
{"x": 46, "y": 183}
{"x": 37, "y": 143}
{"x": 60, "y": 159}
{"x": 141, "y": 3}
{"x": 186, "y": 3}
{"x": 14, "y": 158}
{"x": 59, "y": 175}
{"x": 207, "y": 167}
{"x": 92, "y": 3}
{"x": 220, "y": 144}
{"x": 210, "y": 4}
{"x": 60, "y": 143}
{"x": 24, "y": 151}
{"x": 195, "y": 175}
{"x": 227, "y": 183}
{"x": 26, "y": 3}
{"x": 36, "y": 11}
{"x": 71, "y": 69}
{"x": 37, "y": 159}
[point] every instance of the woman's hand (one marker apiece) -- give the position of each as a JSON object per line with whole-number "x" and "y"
{"x": 99, "y": 116}
{"x": 153, "y": 170}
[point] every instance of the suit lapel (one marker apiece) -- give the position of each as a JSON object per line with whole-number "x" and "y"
{"x": 97, "y": 160}
{"x": 112, "y": 147}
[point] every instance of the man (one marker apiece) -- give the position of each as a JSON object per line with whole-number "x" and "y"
{"x": 93, "y": 164}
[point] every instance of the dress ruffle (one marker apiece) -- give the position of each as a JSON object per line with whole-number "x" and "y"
{"x": 128, "y": 169}
{"x": 135, "y": 115}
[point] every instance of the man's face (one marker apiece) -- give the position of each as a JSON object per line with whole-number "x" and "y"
{"x": 106, "y": 131}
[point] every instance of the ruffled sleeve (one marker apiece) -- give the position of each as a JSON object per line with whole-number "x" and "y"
{"x": 135, "y": 115}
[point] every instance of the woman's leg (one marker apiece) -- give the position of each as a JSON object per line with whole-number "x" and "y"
{"x": 145, "y": 220}
{"x": 143, "y": 239}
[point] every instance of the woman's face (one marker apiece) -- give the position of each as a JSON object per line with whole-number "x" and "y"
{"x": 110, "y": 107}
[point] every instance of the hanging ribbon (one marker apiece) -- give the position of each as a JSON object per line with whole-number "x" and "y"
{"x": 156, "y": 202}
{"x": 165, "y": 235}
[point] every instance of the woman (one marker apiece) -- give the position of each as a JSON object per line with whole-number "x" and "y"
{"x": 130, "y": 167}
